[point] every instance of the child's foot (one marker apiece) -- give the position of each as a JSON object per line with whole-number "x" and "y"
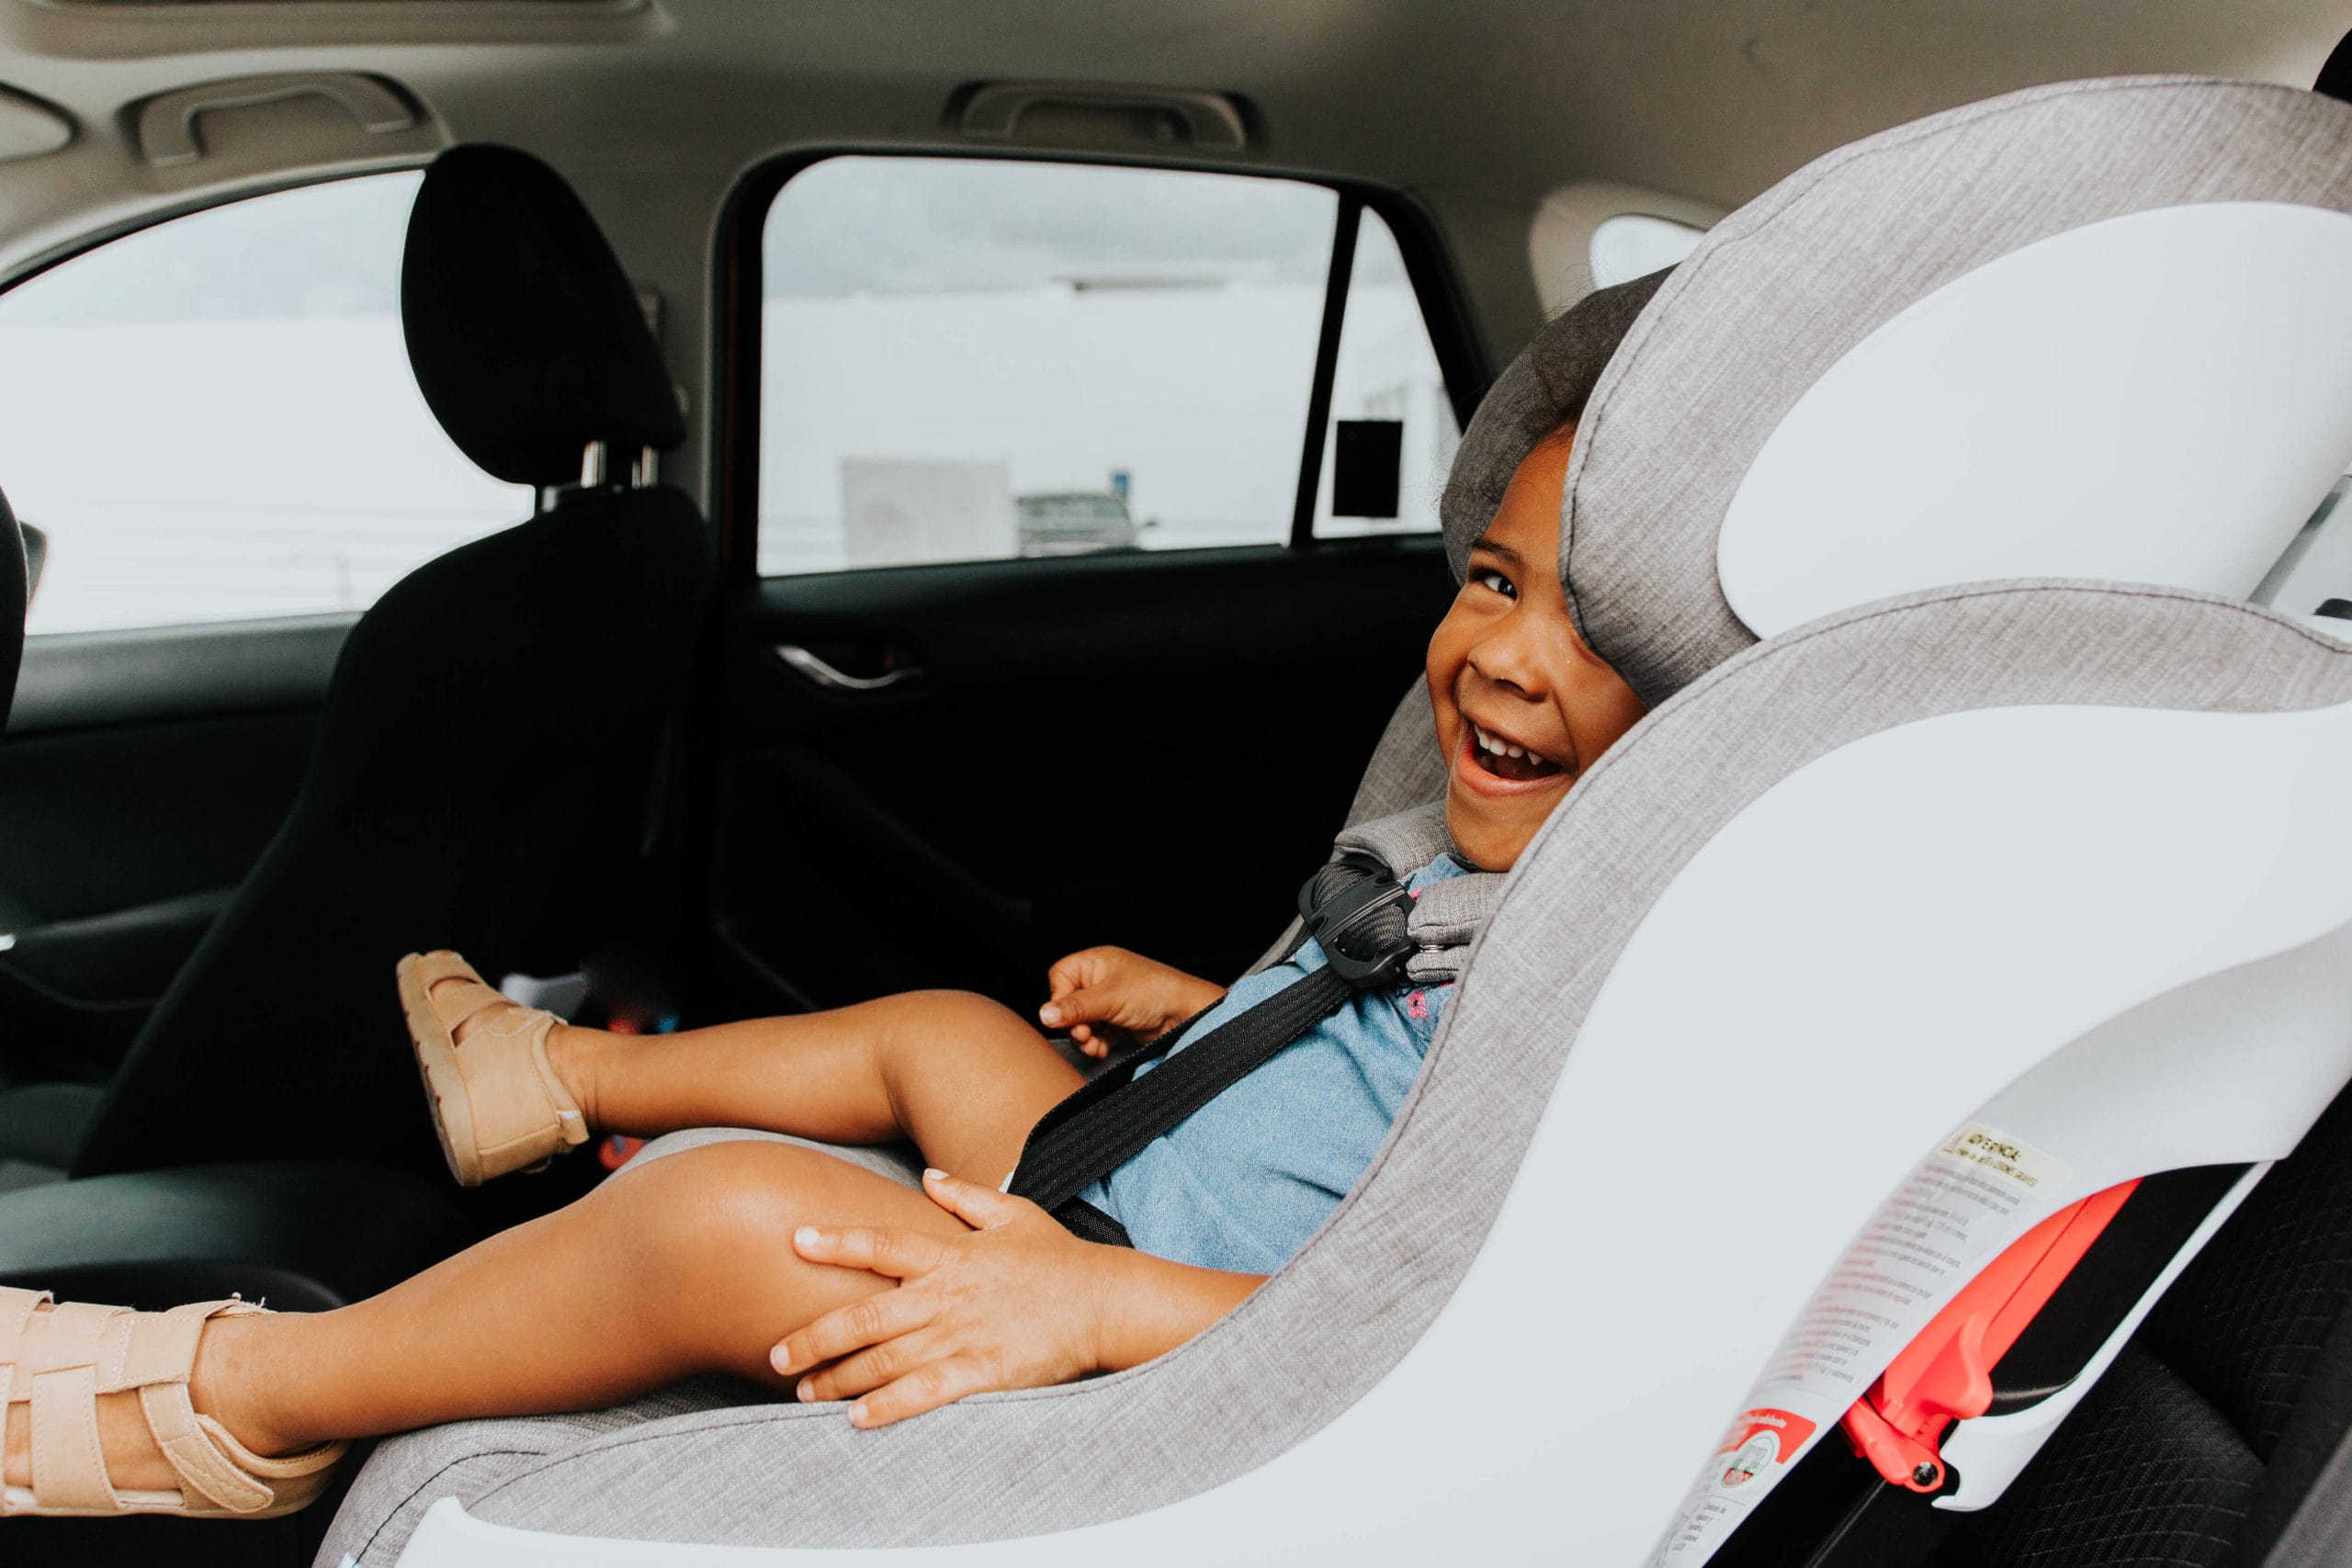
{"x": 499, "y": 1102}
{"x": 94, "y": 1441}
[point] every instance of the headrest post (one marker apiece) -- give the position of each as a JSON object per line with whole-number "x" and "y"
{"x": 645, "y": 471}
{"x": 591, "y": 466}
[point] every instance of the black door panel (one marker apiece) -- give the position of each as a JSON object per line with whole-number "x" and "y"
{"x": 88, "y": 680}
{"x": 1151, "y": 750}
{"x": 142, "y": 775}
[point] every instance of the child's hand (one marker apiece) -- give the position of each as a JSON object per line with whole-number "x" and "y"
{"x": 1020, "y": 1302}
{"x": 1010, "y": 1305}
{"x": 1107, "y": 996}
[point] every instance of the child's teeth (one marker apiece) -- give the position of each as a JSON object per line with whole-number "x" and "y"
{"x": 1516, "y": 750}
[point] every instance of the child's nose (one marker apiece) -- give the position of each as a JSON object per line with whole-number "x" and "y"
{"x": 1505, "y": 658}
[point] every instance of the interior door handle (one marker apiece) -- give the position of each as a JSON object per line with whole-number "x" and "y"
{"x": 824, "y": 674}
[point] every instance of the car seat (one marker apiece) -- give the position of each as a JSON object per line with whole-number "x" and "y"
{"x": 1965, "y": 810}
{"x": 483, "y": 764}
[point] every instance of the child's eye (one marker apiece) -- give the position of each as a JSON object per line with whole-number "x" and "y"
{"x": 1487, "y": 577}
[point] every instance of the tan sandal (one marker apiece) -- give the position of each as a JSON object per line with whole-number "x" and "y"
{"x": 56, "y": 1364}
{"x": 497, "y": 1104}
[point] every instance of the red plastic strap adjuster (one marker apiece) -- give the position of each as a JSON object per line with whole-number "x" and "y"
{"x": 1945, "y": 1374}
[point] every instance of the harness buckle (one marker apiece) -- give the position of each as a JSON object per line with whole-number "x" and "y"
{"x": 1359, "y": 921}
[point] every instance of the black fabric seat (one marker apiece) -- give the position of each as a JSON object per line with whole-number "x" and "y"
{"x": 484, "y": 762}
{"x": 2200, "y": 1442}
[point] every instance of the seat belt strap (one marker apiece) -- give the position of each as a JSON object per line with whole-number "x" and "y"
{"x": 1356, "y": 912}
{"x": 1059, "y": 1162}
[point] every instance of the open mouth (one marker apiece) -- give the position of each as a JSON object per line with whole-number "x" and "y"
{"x": 1508, "y": 760}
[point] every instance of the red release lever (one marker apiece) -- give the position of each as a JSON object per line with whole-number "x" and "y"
{"x": 1945, "y": 1373}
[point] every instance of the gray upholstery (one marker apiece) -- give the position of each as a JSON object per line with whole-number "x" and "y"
{"x": 900, "y": 1162}
{"x": 1781, "y": 290}
{"x": 1407, "y": 770}
{"x": 1322, "y": 1331}
{"x": 1545, "y": 387}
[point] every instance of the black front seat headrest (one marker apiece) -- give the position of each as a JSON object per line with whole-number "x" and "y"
{"x": 528, "y": 341}
{"x": 2336, "y": 75}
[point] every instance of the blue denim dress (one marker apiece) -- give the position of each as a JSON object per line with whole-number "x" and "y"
{"x": 1242, "y": 1182}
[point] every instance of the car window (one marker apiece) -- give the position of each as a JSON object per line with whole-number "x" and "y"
{"x": 1393, "y": 433}
{"x": 973, "y": 360}
{"x": 213, "y": 418}
{"x": 1633, "y": 244}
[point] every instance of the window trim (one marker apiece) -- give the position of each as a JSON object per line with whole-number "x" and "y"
{"x": 738, "y": 292}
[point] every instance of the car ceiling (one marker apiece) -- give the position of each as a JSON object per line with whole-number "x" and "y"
{"x": 656, "y": 108}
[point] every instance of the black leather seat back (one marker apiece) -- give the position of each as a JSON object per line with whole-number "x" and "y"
{"x": 484, "y": 761}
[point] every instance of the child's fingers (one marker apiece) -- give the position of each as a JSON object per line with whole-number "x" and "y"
{"x": 871, "y": 1368}
{"x": 899, "y": 1254}
{"x": 982, "y": 1208}
{"x": 1098, "y": 1049}
{"x": 926, "y": 1388}
{"x": 1063, "y": 1008}
{"x": 1084, "y": 1005}
{"x": 847, "y": 1330}
{"x": 1075, "y": 971}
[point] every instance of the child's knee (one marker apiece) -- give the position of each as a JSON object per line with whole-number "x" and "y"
{"x": 955, "y": 1021}
{"x": 738, "y": 1199}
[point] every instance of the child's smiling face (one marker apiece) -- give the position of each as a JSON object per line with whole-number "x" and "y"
{"x": 1522, "y": 705}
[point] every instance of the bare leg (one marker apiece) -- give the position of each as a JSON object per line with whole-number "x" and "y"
{"x": 963, "y": 1077}
{"x": 683, "y": 1266}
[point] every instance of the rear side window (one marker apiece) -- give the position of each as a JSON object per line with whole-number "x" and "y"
{"x": 967, "y": 359}
{"x": 213, "y": 419}
{"x": 1633, "y": 244}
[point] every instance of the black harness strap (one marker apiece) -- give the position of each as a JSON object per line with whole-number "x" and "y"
{"x": 1354, "y": 909}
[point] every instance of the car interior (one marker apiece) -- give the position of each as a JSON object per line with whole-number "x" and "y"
{"x": 718, "y": 510}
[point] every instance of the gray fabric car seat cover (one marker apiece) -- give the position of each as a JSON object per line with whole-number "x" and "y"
{"x": 1547, "y": 385}
{"x": 1780, "y": 290}
{"x": 1315, "y": 1339}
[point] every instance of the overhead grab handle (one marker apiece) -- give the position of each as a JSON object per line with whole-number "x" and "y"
{"x": 1211, "y": 121}
{"x": 167, "y": 124}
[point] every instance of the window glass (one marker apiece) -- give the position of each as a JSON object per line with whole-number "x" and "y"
{"x": 214, "y": 418}
{"x": 1633, "y": 245}
{"x": 1386, "y": 374}
{"x": 966, "y": 359}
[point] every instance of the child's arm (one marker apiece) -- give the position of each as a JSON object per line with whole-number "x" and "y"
{"x": 1106, "y": 996}
{"x": 1019, "y": 1303}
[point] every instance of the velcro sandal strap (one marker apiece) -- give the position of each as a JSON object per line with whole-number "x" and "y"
{"x": 186, "y": 1440}
{"x": 69, "y": 1467}
{"x": 162, "y": 1348}
{"x": 453, "y": 1005}
{"x": 69, "y": 1337}
{"x": 18, "y": 1306}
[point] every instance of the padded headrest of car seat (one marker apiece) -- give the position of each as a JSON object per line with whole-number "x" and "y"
{"x": 528, "y": 341}
{"x": 15, "y": 599}
{"x": 1542, "y": 390}
{"x": 2093, "y": 329}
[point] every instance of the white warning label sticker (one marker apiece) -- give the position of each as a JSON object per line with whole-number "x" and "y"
{"x": 1956, "y": 1211}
